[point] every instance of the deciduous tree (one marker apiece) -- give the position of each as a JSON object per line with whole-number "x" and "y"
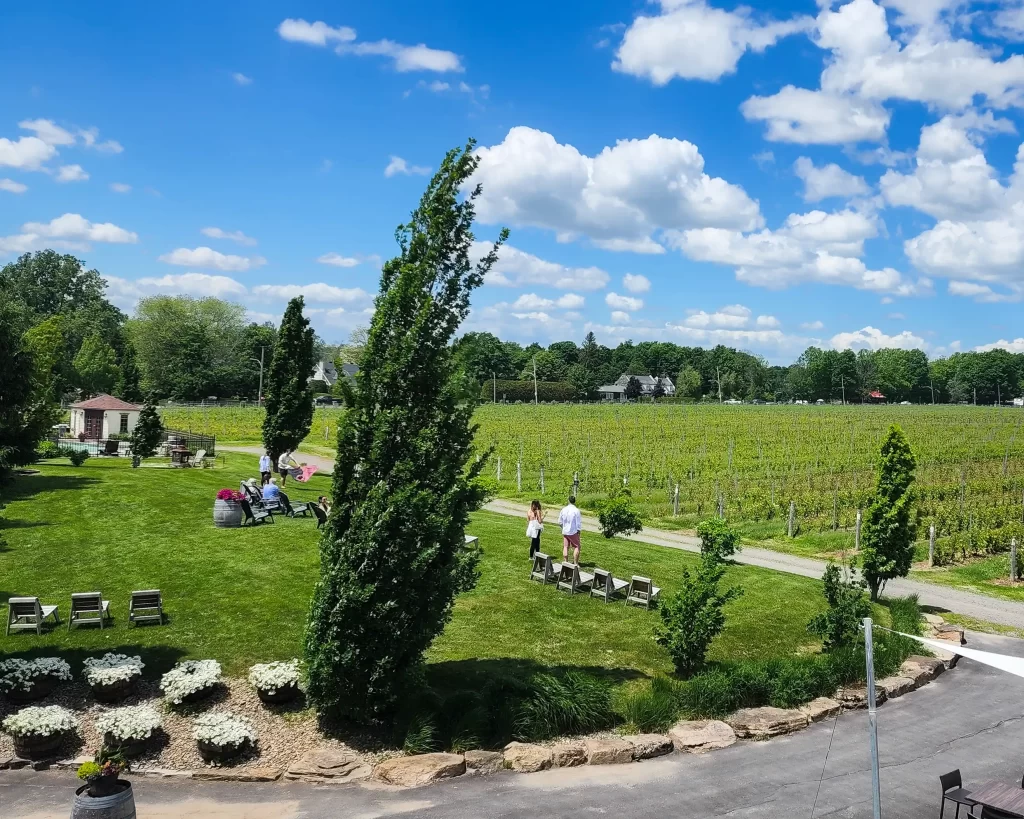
{"x": 392, "y": 555}
{"x": 96, "y": 365}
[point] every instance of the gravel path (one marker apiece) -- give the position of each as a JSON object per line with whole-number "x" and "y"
{"x": 979, "y": 606}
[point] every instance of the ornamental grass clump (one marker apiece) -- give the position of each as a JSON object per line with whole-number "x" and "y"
{"x": 190, "y": 680}
{"x": 275, "y": 682}
{"x": 32, "y": 679}
{"x": 128, "y": 725}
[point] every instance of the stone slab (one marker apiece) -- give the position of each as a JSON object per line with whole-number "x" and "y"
{"x": 766, "y": 722}
{"x": 421, "y": 769}
{"x": 608, "y": 751}
{"x": 698, "y": 736}
{"x": 329, "y": 765}
{"x": 568, "y": 755}
{"x": 239, "y": 775}
{"x": 527, "y": 758}
{"x": 896, "y": 686}
{"x": 921, "y": 669}
{"x": 821, "y": 708}
{"x": 648, "y": 746}
{"x": 484, "y": 762}
{"x": 857, "y": 696}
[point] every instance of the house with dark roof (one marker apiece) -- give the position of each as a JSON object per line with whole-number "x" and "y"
{"x": 102, "y": 416}
{"x": 648, "y": 383}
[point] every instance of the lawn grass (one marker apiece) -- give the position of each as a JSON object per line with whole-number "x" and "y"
{"x": 240, "y": 596}
{"x": 978, "y": 575}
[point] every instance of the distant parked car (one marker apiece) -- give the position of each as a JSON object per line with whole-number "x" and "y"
{"x": 904, "y": 403}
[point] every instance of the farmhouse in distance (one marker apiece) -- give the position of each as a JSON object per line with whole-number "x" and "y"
{"x": 648, "y": 385}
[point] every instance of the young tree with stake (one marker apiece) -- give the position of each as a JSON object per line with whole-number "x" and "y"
{"x": 392, "y": 556}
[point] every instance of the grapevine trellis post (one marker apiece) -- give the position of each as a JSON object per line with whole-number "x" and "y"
{"x": 519, "y": 476}
{"x": 1013, "y": 560}
{"x": 575, "y": 484}
{"x": 542, "y": 479}
{"x": 499, "y": 467}
{"x": 856, "y": 532}
{"x": 792, "y": 518}
{"x": 675, "y": 502}
{"x": 931, "y": 545}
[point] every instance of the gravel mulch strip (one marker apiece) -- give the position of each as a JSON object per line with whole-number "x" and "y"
{"x": 285, "y": 732}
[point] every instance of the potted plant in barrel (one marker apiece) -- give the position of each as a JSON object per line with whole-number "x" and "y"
{"x": 112, "y": 677}
{"x": 30, "y": 680}
{"x": 104, "y": 792}
{"x": 190, "y": 681}
{"x": 222, "y": 736}
{"x": 227, "y": 509}
{"x": 128, "y": 729}
{"x": 275, "y": 683}
{"x": 38, "y": 731}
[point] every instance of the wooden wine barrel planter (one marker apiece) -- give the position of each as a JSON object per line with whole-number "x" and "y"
{"x": 128, "y": 747}
{"x": 41, "y": 687}
{"x": 115, "y": 691}
{"x": 220, "y": 753}
{"x": 280, "y": 695}
{"x": 227, "y": 514}
{"x": 118, "y": 805}
{"x": 201, "y": 694}
{"x": 37, "y": 747}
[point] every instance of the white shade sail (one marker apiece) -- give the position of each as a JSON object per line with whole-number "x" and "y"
{"x": 1004, "y": 662}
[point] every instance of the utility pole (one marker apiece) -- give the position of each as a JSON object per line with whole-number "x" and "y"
{"x": 494, "y": 377}
{"x": 259, "y": 397}
{"x": 718, "y": 378}
{"x": 999, "y": 395}
{"x": 931, "y": 384}
{"x": 535, "y": 401}
{"x": 842, "y": 381}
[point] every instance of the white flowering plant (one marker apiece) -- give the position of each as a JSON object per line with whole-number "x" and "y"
{"x": 272, "y": 677}
{"x": 22, "y": 675}
{"x": 189, "y": 677}
{"x": 222, "y": 728}
{"x": 43, "y": 721}
{"x": 132, "y": 722}
{"x": 111, "y": 668}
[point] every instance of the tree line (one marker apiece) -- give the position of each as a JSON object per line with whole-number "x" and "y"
{"x": 698, "y": 372}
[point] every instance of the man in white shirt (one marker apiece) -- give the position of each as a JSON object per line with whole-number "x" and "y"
{"x": 571, "y": 522}
{"x": 285, "y": 463}
{"x": 266, "y": 466}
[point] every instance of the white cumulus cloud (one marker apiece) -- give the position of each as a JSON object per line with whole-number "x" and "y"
{"x": 230, "y": 235}
{"x": 871, "y": 338}
{"x": 635, "y": 283}
{"x": 516, "y": 268}
{"x": 828, "y": 181}
{"x": 11, "y": 186}
{"x": 617, "y": 302}
{"x": 72, "y": 173}
{"x": 209, "y": 258}
{"x": 316, "y": 292}
{"x": 120, "y": 187}
{"x": 337, "y": 260}
{"x": 397, "y": 165}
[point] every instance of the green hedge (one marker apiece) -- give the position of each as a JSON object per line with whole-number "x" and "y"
{"x": 512, "y": 391}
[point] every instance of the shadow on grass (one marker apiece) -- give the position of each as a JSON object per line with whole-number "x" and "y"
{"x": 8, "y": 523}
{"x": 29, "y": 486}
{"x": 158, "y": 659}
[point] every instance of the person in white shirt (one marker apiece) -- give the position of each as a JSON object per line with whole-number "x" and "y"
{"x": 266, "y": 466}
{"x": 285, "y": 464}
{"x": 571, "y": 522}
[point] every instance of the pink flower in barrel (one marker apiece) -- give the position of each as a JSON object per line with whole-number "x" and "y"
{"x": 227, "y": 509}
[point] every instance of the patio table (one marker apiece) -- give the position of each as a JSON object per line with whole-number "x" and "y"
{"x": 999, "y": 795}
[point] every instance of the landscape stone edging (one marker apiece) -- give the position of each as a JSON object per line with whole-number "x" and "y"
{"x": 915, "y": 672}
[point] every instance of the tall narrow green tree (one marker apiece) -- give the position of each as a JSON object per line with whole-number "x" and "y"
{"x": 887, "y": 539}
{"x": 289, "y": 397}
{"x": 392, "y": 556}
{"x": 148, "y": 430}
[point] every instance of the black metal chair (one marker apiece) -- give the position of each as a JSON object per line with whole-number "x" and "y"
{"x": 953, "y": 791}
{"x": 320, "y": 514}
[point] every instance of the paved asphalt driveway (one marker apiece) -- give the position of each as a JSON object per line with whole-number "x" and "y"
{"x": 970, "y": 719}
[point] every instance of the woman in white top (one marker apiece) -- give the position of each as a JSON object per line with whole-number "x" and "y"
{"x": 534, "y": 526}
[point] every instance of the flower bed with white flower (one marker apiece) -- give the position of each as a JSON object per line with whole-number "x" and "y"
{"x": 40, "y": 721}
{"x": 270, "y": 678}
{"x": 111, "y": 668}
{"x": 221, "y": 735}
{"x": 130, "y": 723}
{"x": 190, "y": 680}
{"x": 26, "y": 679}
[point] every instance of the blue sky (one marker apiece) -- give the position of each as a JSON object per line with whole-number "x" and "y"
{"x": 798, "y": 172}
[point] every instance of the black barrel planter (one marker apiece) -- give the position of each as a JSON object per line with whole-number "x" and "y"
{"x": 128, "y": 747}
{"x": 211, "y": 752}
{"x": 117, "y": 805}
{"x": 285, "y": 693}
{"x": 42, "y": 686}
{"x": 115, "y": 691}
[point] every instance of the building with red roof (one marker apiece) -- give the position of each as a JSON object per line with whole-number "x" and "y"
{"x": 102, "y": 416}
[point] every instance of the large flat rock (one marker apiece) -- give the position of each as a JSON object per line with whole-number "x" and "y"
{"x": 698, "y": 736}
{"x": 484, "y": 762}
{"x": 857, "y": 696}
{"x": 647, "y": 746}
{"x": 896, "y": 686}
{"x": 608, "y": 751}
{"x": 238, "y": 774}
{"x": 766, "y": 722}
{"x": 422, "y": 769}
{"x": 329, "y": 766}
{"x": 921, "y": 669}
{"x": 568, "y": 755}
{"x": 527, "y": 758}
{"x": 820, "y": 708}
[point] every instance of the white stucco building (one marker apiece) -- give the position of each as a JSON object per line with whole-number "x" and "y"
{"x": 103, "y": 416}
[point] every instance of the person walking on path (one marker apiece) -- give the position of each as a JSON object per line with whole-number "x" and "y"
{"x": 534, "y": 526}
{"x": 571, "y": 522}
{"x": 266, "y": 466}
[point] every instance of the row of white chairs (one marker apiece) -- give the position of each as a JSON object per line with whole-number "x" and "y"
{"x": 568, "y": 577}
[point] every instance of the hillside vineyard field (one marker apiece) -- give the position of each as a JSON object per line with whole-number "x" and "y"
{"x": 745, "y": 462}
